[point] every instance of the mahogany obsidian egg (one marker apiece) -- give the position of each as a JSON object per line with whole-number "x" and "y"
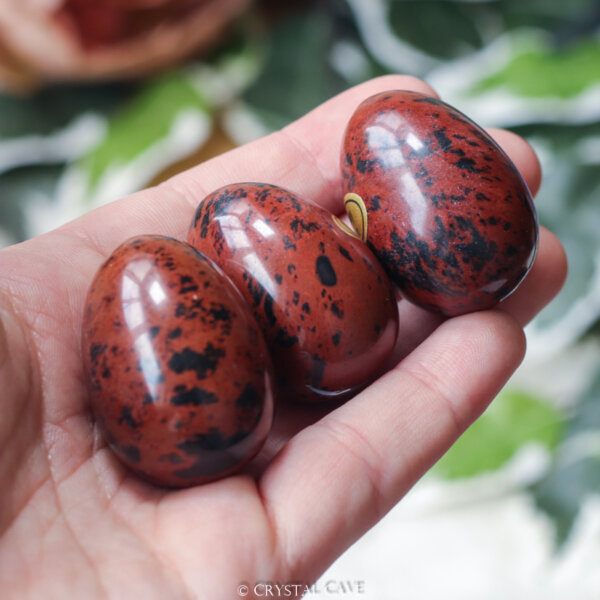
{"x": 323, "y": 301}
{"x": 441, "y": 205}
{"x": 179, "y": 375}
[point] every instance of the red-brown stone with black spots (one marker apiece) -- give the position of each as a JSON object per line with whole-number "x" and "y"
{"x": 449, "y": 215}
{"x": 322, "y": 299}
{"x": 179, "y": 375}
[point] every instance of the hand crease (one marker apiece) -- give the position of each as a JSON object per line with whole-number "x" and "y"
{"x": 370, "y": 461}
{"x": 424, "y": 378}
{"x": 305, "y": 151}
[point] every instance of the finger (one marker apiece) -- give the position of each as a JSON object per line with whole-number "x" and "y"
{"x": 542, "y": 283}
{"x": 336, "y": 478}
{"x": 522, "y": 154}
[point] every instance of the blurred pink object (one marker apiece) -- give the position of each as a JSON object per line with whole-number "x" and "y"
{"x": 66, "y": 40}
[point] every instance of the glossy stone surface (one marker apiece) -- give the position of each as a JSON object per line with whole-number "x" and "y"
{"x": 448, "y": 214}
{"x": 178, "y": 372}
{"x": 320, "y": 296}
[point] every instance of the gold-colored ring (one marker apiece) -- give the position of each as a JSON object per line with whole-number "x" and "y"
{"x": 357, "y": 211}
{"x": 345, "y": 227}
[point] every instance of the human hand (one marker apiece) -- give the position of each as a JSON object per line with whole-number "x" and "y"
{"x": 75, "y": 523}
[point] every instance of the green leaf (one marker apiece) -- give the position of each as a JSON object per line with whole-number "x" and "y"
{"x": 546, "y": 72}
{"x": 296, "y": 76}
{"x": 513, "y": 419}
{"x": 54, "y": 107}
{"x": 568, "y": 206}
{"x": 560, "y": 16}
{"x": 18, "y": 186}
{"x": 560, "y": 494}
{"x": 576, "y": 472}
{"x": 144, "y": 121}
{"x": 441, "y": 28}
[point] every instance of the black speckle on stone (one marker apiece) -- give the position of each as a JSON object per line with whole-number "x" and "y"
{"x": 442, "y": 139}
{"x": 287, "y": 243}
{"x": 295, "y": 298}
{"x": 345, "y": 253}
{"x": 325, "y": 271}
{"x": 106, "y": 373}
{"x": 298, "y": 225}
{"x": 374, "y": 203}
{"x": 172, "y": 458}
{"x": 220, "y": 314}
{"x": 132, "y": 453}
{"x": 348, "y": 159}
{"x": 127, "y": 418}
{"x": 511, "y": 251}
{"x": 404, "y": 264}
{"x": 468, "y": 164}
{"x": 482, "y": 197}
{"x": 187, "y": 284}
{"x": 283, "y": 339}
{"x": 306, "y": 308}
{"x": 337, "y": 310}
{"x": 222, "y": 203}
{"x": 291, "y": 268}
{"x": 154, "y": 331}
{"x": 294, "y": 202}
{"x": 202, "y": 363}
{"x": 429, "y": 100}
{"x": 148, "y": 399}
{"x": 211, "y": 440}
{"x": 97, "y": 350}
{"x": 422, "y": 248}
{"x": 249, "y": 399}
{"x": 507, "y": 225}
{"x": 477, "y": 252}
{"x": 365, "y": 165}
{"x": 278, "y": 279}
{"x": 422, "y": 172}
{"x": 268, "y": 310}
{"x": 187, "y": 289}
{"x": 180, "y": 309}
{"x": 174, "y": 333}
{"x": 257, "y": 291}
{"x": 195, "y": 396}
{"x": 335, "y": 338}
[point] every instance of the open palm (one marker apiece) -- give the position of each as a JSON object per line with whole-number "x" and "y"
{"x": 75, "y": 523}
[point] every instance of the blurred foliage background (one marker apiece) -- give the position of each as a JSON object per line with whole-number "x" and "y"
{"x": 530, "y": 467}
